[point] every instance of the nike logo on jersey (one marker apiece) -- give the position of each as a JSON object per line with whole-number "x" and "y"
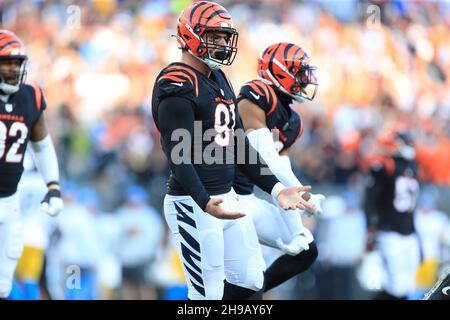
{"x": 180, "y": 84}
{"x": 255, "y": 96}
{"x": 444, "y": 290}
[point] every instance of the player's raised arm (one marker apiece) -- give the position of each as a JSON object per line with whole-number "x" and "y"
{"x": 176, "y": 113}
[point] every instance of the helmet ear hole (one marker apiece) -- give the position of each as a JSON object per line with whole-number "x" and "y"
{"x": 201, "y": 49}
{"x": 295, "y": 89}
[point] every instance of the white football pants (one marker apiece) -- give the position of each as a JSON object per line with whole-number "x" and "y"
{"x": 401, "y": 259}
{"x": 11, "y": 241}
{"x": 268, "y": 220}
{"x": 212, "y": 249}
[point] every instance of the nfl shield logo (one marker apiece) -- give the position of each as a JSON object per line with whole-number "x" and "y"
{"x": 8, "y": 107}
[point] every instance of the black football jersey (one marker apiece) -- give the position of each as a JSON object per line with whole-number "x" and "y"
{"x": 280, "y": 118}
{"x": 391, "y": 195}
{"x": 17, "y": 118}
{"x": 214, "y": 103}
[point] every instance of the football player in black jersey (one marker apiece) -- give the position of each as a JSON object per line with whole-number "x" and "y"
{"x": 193, "y": 99}
{"x": 264, "y": 107}
{"x": 21, "y": 119}
{"x": 390, "y": 202}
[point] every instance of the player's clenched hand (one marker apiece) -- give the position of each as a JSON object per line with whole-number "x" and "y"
{"x": 290, "y": 199}
{"x": 52, "y": 204}
{"x": 213, "y": 208}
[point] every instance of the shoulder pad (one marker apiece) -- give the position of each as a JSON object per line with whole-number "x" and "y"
{"x": 37, "y": 94}
{"x": 261, "y": 94}
{"x": 177, "y": 81}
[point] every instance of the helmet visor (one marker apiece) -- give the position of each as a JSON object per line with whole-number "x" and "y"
{"x": 221, "y": 45}
{"x": 306, "y": 80}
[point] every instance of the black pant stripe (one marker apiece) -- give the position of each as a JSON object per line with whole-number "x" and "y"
{"x": 188, "y": 208}
{"x": 199, "y": 289}
{"x": 183, "y": 216}
{"x": 188, "y": 255}
{"x": 194, "y": 275}
{"x": 189, "y": 239}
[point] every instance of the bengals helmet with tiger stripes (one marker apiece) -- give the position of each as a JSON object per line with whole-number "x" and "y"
{"x": 198, "y": 26}
{"x": 397, "y": 139}
{"x": 11, "y": 48}
{"x": 286, "y": 66}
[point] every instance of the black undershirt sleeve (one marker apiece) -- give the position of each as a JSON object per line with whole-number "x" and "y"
{"x": 177, "y": 113}
{"x": 254, "y": 170}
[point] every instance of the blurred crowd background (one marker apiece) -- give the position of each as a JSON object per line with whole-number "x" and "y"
{"x": 378, "y": 62}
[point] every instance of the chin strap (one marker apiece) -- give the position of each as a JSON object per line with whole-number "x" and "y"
{"x": 9, "y": 89}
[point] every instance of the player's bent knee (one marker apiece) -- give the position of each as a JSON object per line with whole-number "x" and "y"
{"x": 253, "y": 276}
{"x": 253, "y": 281}
{"x": 256, "y": 282}
{"x": 309, "y": 255}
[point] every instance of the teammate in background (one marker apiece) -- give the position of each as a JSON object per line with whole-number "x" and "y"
{"x": 433, "y": 229}
{"x": 390, "y": 202}
{"x": 21, "y": 119}
{"x": 37, "y": 228}
{"x": 140, "y": 237}
{"x": 264, "y": 107}
{"x": 219, "y": 248}
{"x": 79, "y": 245}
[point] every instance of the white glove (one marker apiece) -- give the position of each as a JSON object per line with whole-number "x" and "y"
{"x": 316, "y": 200}
{"x": 52, "y": 204}
{"x": 298, "y": 244}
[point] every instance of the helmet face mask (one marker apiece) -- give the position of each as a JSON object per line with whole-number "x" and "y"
{"x": 13, "y": 62}
{"x": 305, "y": 87}
{"x": 286, "y": 66}
{"x": 205, "y": 29}
{"x": 221, "y": 45}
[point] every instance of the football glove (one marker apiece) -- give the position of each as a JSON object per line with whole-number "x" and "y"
{"x": 298, "y": 244}
{"x": 52, "y": 204}
{"x": 316, "y": 200}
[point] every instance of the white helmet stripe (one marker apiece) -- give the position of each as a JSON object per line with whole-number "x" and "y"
{"x": 276, "y": 83}
{"x": 283, "y": 68}
{"x": 192, "y": 32}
